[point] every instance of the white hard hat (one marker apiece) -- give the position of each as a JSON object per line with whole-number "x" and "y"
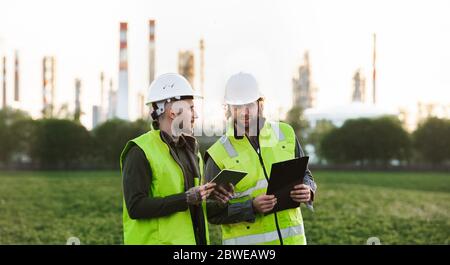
{"x": 169, "y": 86}
{"x": 242, "y": 89}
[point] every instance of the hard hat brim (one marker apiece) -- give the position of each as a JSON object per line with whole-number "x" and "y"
{"x": 242, "y": 102}
{"x": 195, "y": 95}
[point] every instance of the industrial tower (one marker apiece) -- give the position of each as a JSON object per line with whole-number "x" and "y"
{"x": 122, "y": 92}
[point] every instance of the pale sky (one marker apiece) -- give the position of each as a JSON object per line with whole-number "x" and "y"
{"x": 266, "y": 38}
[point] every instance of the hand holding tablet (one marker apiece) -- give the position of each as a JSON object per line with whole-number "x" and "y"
{"x": 225, "y": 182}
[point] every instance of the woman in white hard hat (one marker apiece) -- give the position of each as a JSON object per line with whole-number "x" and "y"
{"x": 252, "y": 144}
{"x": 162, "y": 172}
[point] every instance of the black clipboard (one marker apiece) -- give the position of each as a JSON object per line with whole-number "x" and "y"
{"x": 283, "y": 177}
{"x": 229, "y": 176}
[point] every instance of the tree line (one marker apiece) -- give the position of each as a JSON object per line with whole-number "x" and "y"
{"x": 380, "y": 141}
{"x": 67, "y": 144}
{"x": 62, "y": 143}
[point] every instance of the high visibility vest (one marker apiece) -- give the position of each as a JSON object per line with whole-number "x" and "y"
{"x": 277, "y": 143}
{"x": 167, "y": 179}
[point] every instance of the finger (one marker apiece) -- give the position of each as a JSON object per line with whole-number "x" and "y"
{"x": 300, "y": 191}
{"x": 267, "y": 197}
{"x": 231, "y": 188}
{"x": 300, "y": 186}
{"x": 300, "y": 197}
{"x": 269, "y": 202}
{"x": 225, "y": 192}
{"x": 217, "y": 195}
{"x": 267, "y": 209}
{"x": 223, "y": 201}
{"x": 221, "y": 196}
{"x": 300, "y": 194}
{"x": 210, "y": 185}
{"x": 295, "y": 192}
{"x": 218, "y": 198}
{"x": 296, "y": 200}
{"x": 209, "y": 190}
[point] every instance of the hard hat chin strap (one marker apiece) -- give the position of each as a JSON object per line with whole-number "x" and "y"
{"x": 160, "y": 106}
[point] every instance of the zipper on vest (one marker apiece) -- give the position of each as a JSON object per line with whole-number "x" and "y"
{"x": 280, "y": 237}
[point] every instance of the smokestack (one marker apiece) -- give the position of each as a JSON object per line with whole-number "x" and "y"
{"x": 77, "y": 99}
{"x": 52, "y": 82}
{"x": 48, "y": 86}
{"x": 141, "y": 102}
{"x": 186, "y": 65}
{"x": 122, "y": 93}
{"x": 151, "y": 51}
{"x": 4, "y": 82}
{"x": 95, "y": 116}
{"x": 374, "y": 77}
{"x": 102, "y": 93}
{"x": 112, "y": 101}
{"x": 16, "y": 77}
{"x": 359, "y": 87}
{"x": 44, "y": 85}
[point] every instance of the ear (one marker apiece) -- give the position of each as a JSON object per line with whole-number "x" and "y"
{"x": 171, "y": 113}
{"x": 261, "y": 106}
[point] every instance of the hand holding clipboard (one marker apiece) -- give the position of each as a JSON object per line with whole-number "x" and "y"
{"x": 283, "y": 177}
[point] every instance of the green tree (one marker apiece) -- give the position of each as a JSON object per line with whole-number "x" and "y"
{"x": 391, "y": 140}
{"x": 316, "y": 134}
{"x": 432, "y": 140}
{"x": 8, "y": 145}
{"x": 111, "y": 136}
{"x": 23, "y": 136}
{"x": 367, "y": 141}
{"x": 298, "y": 122}
{"x": 60, "y": 143}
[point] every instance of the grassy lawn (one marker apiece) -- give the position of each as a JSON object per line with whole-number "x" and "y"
{"x": 397, "y": 207}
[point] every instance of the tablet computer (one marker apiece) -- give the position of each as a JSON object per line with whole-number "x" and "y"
{"x": 229, "y": 176}
{"x": 283, "y": 177}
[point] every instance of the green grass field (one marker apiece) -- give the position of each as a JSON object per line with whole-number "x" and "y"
{"x": 398, "y": 208}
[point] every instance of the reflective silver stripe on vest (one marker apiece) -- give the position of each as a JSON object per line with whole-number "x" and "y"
{"x": 265, "y": 237}
{"x": 228, "y": 146}
{"x": 278, "y": 132}
{"x": 261, "y": 184}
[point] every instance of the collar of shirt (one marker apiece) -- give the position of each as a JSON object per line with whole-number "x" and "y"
{"x": 183, "y": 141}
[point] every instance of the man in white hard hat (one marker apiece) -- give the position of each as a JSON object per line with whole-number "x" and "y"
{"x": 253, "y": 144}
{"x": 162, "y": 169}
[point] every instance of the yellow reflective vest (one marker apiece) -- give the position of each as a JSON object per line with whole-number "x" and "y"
{"x": 277, "y": 143}
{"x": 167, "y": 179}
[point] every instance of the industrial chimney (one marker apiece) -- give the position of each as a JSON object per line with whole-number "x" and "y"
{"x": 122, "y": 93}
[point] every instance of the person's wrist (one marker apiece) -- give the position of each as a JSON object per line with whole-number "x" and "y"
{"x": 192, "y": 196}
{"x": 253, "y": 206}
